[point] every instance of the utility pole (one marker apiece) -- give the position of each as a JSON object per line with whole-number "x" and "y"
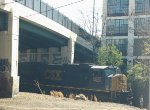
{"x": 93, "y": 25}
{"x": 93, "y": 18}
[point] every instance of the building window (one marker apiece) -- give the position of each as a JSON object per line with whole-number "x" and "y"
{"x": 142, "y": 6}
{"x": 117, "y": 7}
{"x": 117, "y": 27}
{"x": 121, "y": 44}
{"x": 141, "y": 26}
{"x": 3, "y": 21}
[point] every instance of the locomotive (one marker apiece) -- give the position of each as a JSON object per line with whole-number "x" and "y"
{"x": 102, "y": 81}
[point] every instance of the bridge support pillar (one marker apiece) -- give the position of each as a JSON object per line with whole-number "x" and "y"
{"x": 9, "y": 38}
{"x": 67, "y": 52}
{"x": 71, "y": 49}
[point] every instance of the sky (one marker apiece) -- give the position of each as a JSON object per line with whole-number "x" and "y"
{"x": 74, "y": 11}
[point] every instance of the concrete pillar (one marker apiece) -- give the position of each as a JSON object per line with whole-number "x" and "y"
{"x": 104, "y": 21}
{"x": 131, "y": 31}
{"x": 70, "y": 51}
{"x": 9, "y": 80}
{"x": 130, "y": 51}
{"x": 132, "y": 7}
{"x": 67, "y": 52}
{"x": 104, "y": 18}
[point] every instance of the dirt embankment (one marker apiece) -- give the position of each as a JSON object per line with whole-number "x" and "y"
{"x": 32, "y": 101}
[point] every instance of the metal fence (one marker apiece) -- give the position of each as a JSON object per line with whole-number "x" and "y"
{"x": 48, "y": 11}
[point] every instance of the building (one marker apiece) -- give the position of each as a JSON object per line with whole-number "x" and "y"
{"x": 126, "y": 23}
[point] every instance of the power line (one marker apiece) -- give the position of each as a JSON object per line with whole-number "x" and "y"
{"x": 70, "y": 4}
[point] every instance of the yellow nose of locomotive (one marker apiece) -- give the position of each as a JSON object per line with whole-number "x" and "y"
{"x": 119, "y": 83}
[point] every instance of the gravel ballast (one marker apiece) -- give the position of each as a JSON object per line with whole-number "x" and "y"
{"x": 33, "y": 101}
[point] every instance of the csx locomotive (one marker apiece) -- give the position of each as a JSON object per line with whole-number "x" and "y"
{"x": 103, "y": 81}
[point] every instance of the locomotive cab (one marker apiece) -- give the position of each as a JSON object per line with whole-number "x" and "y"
{"x": 107, "y": 78}
{"x": 100, "y": 79}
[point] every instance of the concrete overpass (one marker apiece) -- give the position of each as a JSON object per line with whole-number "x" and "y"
{"x": 30, "y": 30}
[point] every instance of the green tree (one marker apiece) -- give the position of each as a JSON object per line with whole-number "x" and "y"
{"x": 138, "y": 78}
{"x": 109, "y": 55}
{"x": 139, "y": 72}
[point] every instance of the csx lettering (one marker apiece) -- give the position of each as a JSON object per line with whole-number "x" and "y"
{"x": 53, "y": 75}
